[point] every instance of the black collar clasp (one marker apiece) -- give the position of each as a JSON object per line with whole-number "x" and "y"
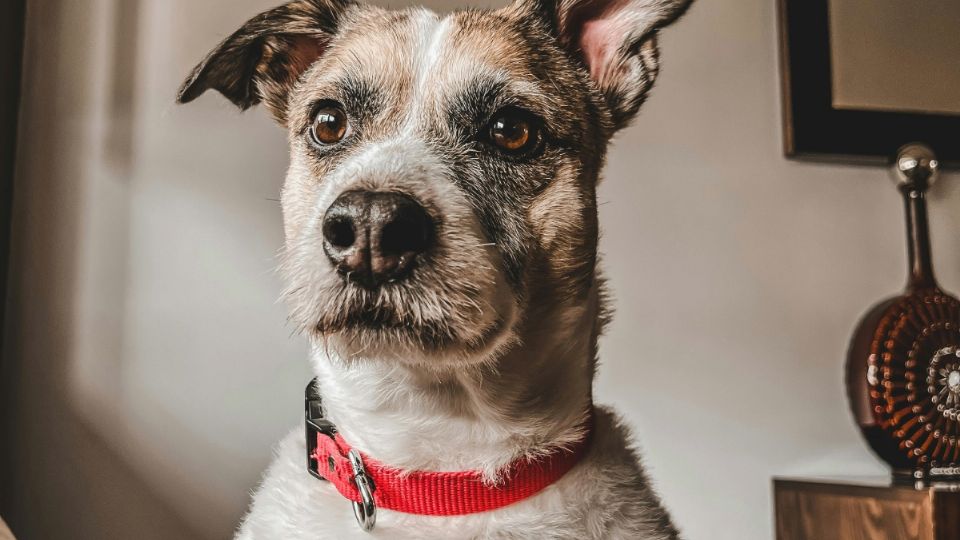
{"x": 315, "y": 424}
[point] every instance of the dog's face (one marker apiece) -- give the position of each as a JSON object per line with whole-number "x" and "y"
{"x": 443, "y": 169}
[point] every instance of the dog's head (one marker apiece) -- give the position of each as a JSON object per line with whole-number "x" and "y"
{"x": 441, "y": 191}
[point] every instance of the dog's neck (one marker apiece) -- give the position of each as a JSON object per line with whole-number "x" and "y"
{"x": 532, "y": 400}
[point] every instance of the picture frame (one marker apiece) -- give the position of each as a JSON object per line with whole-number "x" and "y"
{"x": 814, "y": 129}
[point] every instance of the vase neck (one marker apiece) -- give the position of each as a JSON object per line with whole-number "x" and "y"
{"x": 918, "y": 238}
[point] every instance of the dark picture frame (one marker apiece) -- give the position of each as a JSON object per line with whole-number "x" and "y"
{"x": 814, "y": 129}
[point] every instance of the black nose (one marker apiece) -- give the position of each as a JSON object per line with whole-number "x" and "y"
{"x": 375, "y": 237}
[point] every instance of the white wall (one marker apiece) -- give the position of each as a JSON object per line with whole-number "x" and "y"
{"x": 156, "y": 368}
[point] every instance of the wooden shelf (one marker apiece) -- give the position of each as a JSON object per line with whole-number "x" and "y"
{"x": 865, "y": 509}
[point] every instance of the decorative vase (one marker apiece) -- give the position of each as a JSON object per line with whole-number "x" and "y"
{"x": 903, "y": 365}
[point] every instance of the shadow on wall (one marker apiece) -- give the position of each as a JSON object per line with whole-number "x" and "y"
{"x": 59, "y": 461}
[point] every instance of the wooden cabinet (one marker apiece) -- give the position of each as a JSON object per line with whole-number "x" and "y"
{"x": 865, "y": 509}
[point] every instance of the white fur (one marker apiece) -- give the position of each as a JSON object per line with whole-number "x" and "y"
{"x": 463, "y": 419}
{"x": 432, "y": 35}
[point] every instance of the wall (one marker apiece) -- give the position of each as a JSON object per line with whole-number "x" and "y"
{"x": 156, "y": 368}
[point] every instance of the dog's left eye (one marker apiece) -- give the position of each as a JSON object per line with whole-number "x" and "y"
{"x": 329, "y": 125}
{"x": 514, "y": 131}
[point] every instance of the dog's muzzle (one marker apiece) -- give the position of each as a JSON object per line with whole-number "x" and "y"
{"x": 375, "y": 237}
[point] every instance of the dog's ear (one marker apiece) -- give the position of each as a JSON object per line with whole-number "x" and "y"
{"x": 264, "y": 58}
{"x": 616, "y": 41}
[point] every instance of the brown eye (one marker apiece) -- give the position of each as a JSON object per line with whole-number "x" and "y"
{"x": 330, "y": 125}
{"x": 514, "y": 131}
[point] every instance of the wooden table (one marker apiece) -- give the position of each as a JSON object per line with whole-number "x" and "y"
{"x": 865, "y": 509}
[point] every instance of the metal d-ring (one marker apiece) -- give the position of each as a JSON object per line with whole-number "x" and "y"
{"x": 366, "y": 510}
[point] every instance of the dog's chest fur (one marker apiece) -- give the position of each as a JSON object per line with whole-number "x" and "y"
{"x": 605, "y": 496}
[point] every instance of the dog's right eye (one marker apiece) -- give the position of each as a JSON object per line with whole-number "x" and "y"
{"x": 514, "y": 131}
{"x": 330, "y": 125}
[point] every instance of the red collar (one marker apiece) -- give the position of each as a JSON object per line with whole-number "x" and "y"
{"x": 371, "y": 484}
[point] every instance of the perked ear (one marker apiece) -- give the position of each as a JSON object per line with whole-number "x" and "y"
{"x": 617, "y": 42}
{"x": 264, "y": 58}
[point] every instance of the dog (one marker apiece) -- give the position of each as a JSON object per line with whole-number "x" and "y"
{"x": 441, "y": 232}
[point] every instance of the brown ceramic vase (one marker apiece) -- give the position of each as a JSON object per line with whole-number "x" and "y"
{"x": 903, "y": 365}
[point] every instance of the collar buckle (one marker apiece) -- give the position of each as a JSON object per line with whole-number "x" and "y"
{"x": 315, "y": 424}
{"x": 366, "y": 510}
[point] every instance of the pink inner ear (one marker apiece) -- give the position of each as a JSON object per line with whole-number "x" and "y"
{"x": 602, "y": 29}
